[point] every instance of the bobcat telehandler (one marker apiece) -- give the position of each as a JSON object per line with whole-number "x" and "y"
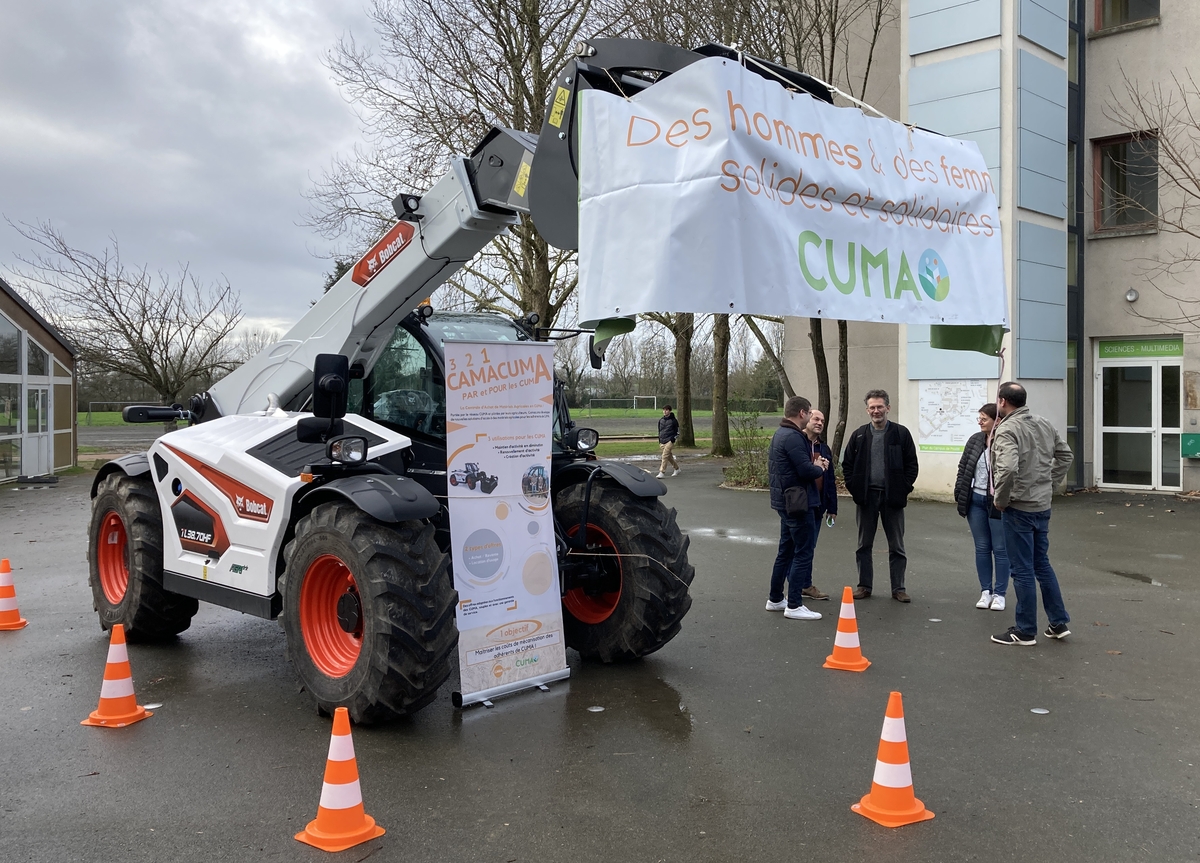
{"x": 310, "y": 483}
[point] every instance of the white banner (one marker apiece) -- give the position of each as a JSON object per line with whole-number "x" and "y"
{"x": 499, "y": 427}
{"x": 717, "y": 190}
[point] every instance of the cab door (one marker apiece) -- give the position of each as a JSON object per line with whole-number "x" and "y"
{"x": 406, "y": 391}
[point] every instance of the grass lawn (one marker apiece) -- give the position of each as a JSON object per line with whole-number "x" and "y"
{"x": 102, "y": 418}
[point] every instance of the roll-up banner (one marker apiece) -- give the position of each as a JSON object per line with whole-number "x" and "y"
{"x": 719, "y": 190}
{"x": 499, "y": 429}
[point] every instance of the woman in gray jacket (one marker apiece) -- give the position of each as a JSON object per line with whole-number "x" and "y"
{"x": 972, "y": 493}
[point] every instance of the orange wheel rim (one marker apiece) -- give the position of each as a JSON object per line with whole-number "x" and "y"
{"x": 112, "y": 557}
{"x": 333, "y": 650}
{"x": 595, "y": 608}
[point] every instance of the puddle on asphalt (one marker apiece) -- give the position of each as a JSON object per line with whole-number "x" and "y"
{"x": 730, "y": 534}
{"x": 1137, "y": 576}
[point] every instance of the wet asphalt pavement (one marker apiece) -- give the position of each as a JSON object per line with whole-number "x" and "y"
{"x": 731, "y": 743}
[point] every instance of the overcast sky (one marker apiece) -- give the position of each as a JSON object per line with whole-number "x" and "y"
{"x": 189, "y": 130}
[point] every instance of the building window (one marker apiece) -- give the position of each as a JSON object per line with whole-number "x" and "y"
{"x": 1114, "y": 13}
{"x": 1126, "y": 182}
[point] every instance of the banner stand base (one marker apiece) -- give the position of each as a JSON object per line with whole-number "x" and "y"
{"x": 485, "y": 696}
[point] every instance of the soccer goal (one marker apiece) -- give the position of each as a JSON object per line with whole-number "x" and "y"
{"x": 640, "y": 402}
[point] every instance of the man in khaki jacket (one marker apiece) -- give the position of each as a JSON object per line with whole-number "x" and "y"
{"x": 1029, "y": 461}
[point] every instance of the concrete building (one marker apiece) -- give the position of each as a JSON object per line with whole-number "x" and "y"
{"x": 37, "y": 392}
{"x": 1088, "y": 216}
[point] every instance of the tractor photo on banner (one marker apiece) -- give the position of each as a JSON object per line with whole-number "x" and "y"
{"x": 500, "y": 425}
{"x": 765, "y": 200}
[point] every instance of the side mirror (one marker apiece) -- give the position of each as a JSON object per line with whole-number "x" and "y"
{"x": 350, "y": 449}
{"x": 331, "y": 385}
{"x": 581, "y": 439}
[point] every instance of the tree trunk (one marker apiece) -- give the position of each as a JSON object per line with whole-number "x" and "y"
{"x": 769, "y": 352}
{"x": 822, "y": 366}
{"x": 682, "y": 327}
{"x": 839, "y": 432}
{"x": 720, "y": 412}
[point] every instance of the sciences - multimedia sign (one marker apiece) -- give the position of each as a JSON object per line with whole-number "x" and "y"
{"x": 717, "y": 190}
{"x": 499, "y": 431}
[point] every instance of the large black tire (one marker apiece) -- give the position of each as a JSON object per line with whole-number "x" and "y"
{"x": 125, "y": 562}
{"x": 406, "y": 636}
{"x": 655, "y": 575}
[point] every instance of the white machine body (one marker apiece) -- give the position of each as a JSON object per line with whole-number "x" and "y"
{"x": 226, "y": 488}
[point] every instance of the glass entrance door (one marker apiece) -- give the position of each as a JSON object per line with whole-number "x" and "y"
{"x": 1139, "y": 424}
{"x": 37, "y": 432}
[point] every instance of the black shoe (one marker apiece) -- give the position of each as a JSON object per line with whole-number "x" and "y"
{"x": 1059, "y": 631}
{"x": 1015, "y": 636}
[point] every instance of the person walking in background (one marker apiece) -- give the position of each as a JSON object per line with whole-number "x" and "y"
{"x": 793, "y": 472}
{"x": 879, "y": 468}
{"x": 973, "y": 495}
{"x": 1029, "y": 461}
{"x": 668, "y": 433}
{"x": 826, "y": 486}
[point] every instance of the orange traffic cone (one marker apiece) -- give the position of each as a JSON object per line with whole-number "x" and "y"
{"x": 341, "y": 822}
{"x": 10, "y": 618}
{"x": 118, "y": 705}
{"x": 847, "y": 655}
{"x": 891, "y": 801}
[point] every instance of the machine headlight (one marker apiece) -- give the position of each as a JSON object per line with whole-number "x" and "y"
{"x": 347, "y": 450}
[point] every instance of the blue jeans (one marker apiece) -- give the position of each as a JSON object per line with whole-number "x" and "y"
{"x": 988, "y": 534}
{"x": 1027, "y": 538}
{"x": 793, "y": 563}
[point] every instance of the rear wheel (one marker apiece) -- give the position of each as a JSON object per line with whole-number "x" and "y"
{"x": 125, "y": 562}
{"x": 368, "y": 610}
{"x": 643, "y": 557}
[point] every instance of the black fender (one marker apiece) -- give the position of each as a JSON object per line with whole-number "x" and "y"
{"x": 634, "y": 479}
{"x": 384, "y": 497}
{"x": 134, "y": 464}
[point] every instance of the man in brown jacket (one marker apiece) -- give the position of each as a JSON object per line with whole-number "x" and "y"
{"x": 1029, "y": 461}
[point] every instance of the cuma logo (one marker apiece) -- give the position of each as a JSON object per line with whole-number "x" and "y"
{"x": 824, "y": 261}
{"x": 935, "y": 279}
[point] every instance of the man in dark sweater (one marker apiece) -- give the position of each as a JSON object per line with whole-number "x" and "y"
{"x": 668, "y": 433}
{"x": 879, "y": 467}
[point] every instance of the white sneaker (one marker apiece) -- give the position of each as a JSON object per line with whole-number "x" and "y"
{"x": 660, "y": 475}
{"x": 985, "y": 599}
{"x": 776, "y": 606}
{"x": 677, "y": 470}
{"x": 801, "y": 613}
{"x": 997, "y": 603}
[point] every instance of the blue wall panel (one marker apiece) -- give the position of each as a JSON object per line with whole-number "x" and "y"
{"x": 1044, "y": 22}
{"x": 1041, "y": 136}
{"x": 960, "y": 97}
{"x": 931, "y": 364}
{"x": 934, "y": 24}
{"x": 1041, "y": 287}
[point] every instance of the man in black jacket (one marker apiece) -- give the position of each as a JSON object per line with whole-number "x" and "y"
{"x": 790, "y": 464}
{"x": 668, "y": 433}
{"x": 880, "y": 467}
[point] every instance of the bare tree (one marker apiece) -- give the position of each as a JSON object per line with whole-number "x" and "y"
{"x": 250, "y": 343}
{"x": 445, "y": 71}
{"x": 682, "y": 327}
{"x": 1164, "y": 120}
{"x": 165, "y": 330}
{"x": 720, "y": 413}
{"x": 770, "y": 350}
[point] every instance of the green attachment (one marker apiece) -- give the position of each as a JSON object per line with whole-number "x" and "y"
{"x": 982, "y": 338}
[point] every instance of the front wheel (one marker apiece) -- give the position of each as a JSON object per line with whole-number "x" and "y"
{"x": 368, "y": 610}
{"x": 125, "y": 562}
{"x": 643, "y": 555}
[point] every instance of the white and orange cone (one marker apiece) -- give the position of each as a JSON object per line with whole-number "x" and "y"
{"x": 847, "y": 655}
{"x": 118, "y": 705}
{"x": 341, "y": 822}
{"x": 891, "y": 801}
{"x": 10, "y": 617}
